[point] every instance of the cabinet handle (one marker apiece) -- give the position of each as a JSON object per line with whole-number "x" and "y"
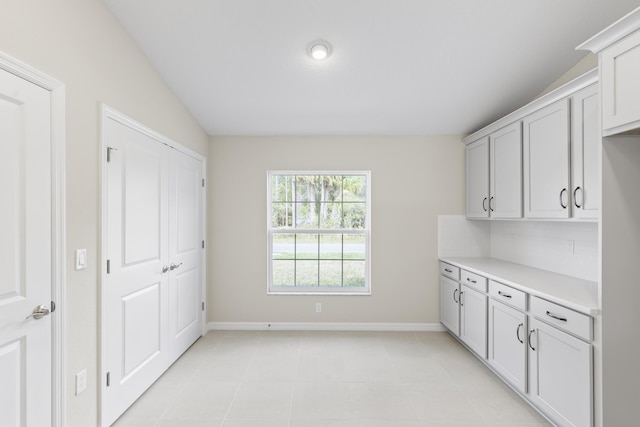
{"x": 448, "y": 271}
{"x": 502, "y": 294}
{"x": 484, "y": 204}
{"x": 454, "y": 296}
{"x": 472, "y": 281}
{"x": 564, "y": 205}
{"x": 461, "y": 304}
{"x": 575, "y": 200}
{"x": 562, "y": 319}
{"x": 491, "y": 204}
{"x": 518, "y": 332}
{"x": 529, "y": 339}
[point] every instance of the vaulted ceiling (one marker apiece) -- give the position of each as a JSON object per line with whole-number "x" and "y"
{"x": 398, "y": 67}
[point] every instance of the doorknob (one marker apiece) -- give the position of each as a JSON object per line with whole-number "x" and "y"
{"x": 165, "y": 268}
{"x": 39, "y": 312}
{"x": 173, "y": 266}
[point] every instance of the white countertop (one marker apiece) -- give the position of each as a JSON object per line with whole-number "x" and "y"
{"x": 577, "y": 294}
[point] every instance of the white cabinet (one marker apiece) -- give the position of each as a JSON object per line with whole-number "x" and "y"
{"x": 560, "y": 375}
{"x": 585, "y": 153}
{"x": 546, "y": 162}
{"x": 477, "y": 168}
{"x": 507, "y": 349}
{"x": 449, "y": 304}
{"x": 473, "y": 320}
{"x": 619, "y": 71}
{"x": 505, "y": 171}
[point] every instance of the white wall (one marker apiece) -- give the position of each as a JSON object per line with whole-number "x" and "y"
{"x": 414, "y": 179}
{"x": 79, "y": 43}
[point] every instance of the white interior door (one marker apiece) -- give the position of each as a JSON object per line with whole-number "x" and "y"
{"x": 137, "y": 250}
{"x": 25, "y": 253}
{"x": 185, "y": 251}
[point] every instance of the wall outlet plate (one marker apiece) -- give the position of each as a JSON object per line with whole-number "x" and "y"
{"x": 318, "y": 307}
{"x": 81, "y": 381}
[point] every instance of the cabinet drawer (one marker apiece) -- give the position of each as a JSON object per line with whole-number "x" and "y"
{"x": 449, "y": 270}
{"x": 508, "y": 295}
{"x": 473, "y": 280}
{"x": 566, "y": 319}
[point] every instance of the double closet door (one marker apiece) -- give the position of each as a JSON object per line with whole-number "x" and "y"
{"x": 152, "y": 308}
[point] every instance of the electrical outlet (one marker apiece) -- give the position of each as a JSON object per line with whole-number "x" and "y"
{"x": 572, "y": 247}
{"x": 318, "y": 307}
{"x": 81, "y": 381}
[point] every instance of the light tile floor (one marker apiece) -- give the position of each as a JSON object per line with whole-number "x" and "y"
{"x": 329, "y": 379}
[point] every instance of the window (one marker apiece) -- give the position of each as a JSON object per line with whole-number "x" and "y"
{"x": 319, "y": 232}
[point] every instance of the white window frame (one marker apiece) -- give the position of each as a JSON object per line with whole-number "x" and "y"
{"x": 319, "y": 290}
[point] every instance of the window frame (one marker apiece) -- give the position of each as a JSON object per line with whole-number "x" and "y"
{"x": 366, "y": 231}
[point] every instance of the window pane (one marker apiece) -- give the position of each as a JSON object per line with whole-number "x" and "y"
{"x": 306, "y": 273}
{"x": 355, "y": 188}
{"x": 306, "y": 246}
{"x": 331, "y": 246}
{"x": 282, "y": 188}
{"x": 354, "y": 273}
{"x": 355, "y": 215}
{"x": 355, "y": 246}
{"x": 306, "y": 215}
{"x": 283, "y": 246}
{"x": 330, "y": 215}
{"x": 307, "y": 188}
{"x": 330, "y": 273}
{"x": 330, "y": 188}
{"x": 281, "y": 215}
{"x": 283, "y": 272}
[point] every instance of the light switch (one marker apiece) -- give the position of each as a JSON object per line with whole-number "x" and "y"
{"x": 81, "y": 259}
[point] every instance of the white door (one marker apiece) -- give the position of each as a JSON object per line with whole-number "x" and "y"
{"x": 560, "y": 375}
{"x": 185, "y": 251}
{"x": 449, "y": 304}
{"x": 546, "y": 162}
{"x": 585, "y": 153}
{"x": 473, "y": 320}
{"x": 505, "y": 199}
{"x": 137, "y": 250}
{"x": 477, "y": 158}
{"x": 507, "y": 350}
{"x": 25, "y": 253}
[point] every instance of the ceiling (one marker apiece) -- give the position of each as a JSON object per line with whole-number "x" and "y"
{"x": 398, "y": 67}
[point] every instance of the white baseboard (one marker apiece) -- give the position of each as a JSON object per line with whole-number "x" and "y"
{"x": 324, "y": 326}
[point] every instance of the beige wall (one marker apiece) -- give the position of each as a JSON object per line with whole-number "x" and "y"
{"x": 414, "y": 179}
{"x": 79, "y": 43}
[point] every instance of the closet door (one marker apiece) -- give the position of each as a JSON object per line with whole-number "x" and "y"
{"x": 136, "y": 288}
{"x": 185, "y": 252}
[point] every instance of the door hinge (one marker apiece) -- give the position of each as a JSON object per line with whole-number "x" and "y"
{"x": 109, "y": 149}
{"x": 53, "y": 306}
{"x": 108, "y": 379}
{"x": 203, "y": 182}
{"x": 202, "y": 305}
{"x": 203, "y": 244}
{"x": 108, "y": 266}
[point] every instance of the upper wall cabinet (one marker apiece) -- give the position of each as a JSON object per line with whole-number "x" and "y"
{"x": 546, "y": 162}
{"x": 494, "y": 174}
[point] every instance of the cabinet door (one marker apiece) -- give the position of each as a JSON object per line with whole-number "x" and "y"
{"x": 473, "y": 320}
{"x": 560, "y": 375}
{"x": 477, "y": 155}
{"x": 449, "y": 304}
{"x": 546, "y": 162}
{"x": 619, "y": 70}
{"x": 585, "y": 153}
{"x": 507, "y": 350}
{"x": 505, "y": 166}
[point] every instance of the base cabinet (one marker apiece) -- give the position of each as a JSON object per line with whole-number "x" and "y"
{"x": 560, "y": 375}
{"x": 507, "y": 348}
{"x": 449, "y": 304}
{"x": 473, "y": 320}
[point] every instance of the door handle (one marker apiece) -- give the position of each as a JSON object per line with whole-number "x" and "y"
{"x": 165, "y": 268}
{"x": 518, "y": 332}
{"x": 39, "y": 312}
{"x": 562, "y": 203}
{"x": 173, "y": 266}
{"x": 529, "y": 339}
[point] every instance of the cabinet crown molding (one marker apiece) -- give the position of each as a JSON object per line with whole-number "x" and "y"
{"x": 614, "y": 32}
{"x": 563, "y": 91}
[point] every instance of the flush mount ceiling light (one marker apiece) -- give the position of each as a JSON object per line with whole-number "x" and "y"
{"x": 319, "y": 49}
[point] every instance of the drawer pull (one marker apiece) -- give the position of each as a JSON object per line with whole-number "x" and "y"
{"x": 518, "y": 332}
{"x": 562, "y": 319}
{"x": 454, "y": 295}
{"x": 448, "y": 271}
{"x": 502, "y": 294}
{"x": 472, "y": 281}
{"x": 529, "y": 339}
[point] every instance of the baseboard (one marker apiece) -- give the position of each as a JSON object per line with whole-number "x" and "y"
{"x": 324, "y": 326}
